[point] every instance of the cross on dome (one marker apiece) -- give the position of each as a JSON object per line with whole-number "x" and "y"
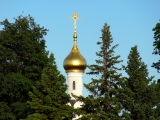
{"x": 75, "y": 17}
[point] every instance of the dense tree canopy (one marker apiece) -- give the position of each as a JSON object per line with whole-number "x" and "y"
{"x": 49, "y": 98}
{"x": 22, "y": 58}
{"x": 103, "y": 101}
{"x": 22, "y": 48}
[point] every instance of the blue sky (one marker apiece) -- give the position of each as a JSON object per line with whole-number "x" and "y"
{"x": 131, "y": 23}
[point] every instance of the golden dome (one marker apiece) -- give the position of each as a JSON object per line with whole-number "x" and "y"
{"x": 75, "y": 62}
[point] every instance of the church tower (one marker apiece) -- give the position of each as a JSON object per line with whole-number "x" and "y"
{"x": 74, "y": 65}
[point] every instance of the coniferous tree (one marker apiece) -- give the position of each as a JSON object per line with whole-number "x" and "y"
{"x": 139, "y": 95}
{"x": 5, "y": 112}
{"x": 156, "y": 65}
{"x": 103, "y": 101}
{"x": 22, "y": 58}
{"x": 156, "y": 45}
{"x": 157, "y": 105}
{"x": 49, "y": 98}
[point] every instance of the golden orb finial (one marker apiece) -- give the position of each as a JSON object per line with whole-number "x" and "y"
{"x": 75, "y": 62}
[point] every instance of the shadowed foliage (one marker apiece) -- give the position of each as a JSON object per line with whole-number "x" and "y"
{"x": 49, "y": 98}
{"x": 140, "y": 93}
{"x": 22, "y": 57}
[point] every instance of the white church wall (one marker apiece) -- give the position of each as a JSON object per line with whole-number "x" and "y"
{"x": 75, "y": 77}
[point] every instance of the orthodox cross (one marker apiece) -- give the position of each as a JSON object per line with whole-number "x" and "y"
{"x": 75, "y": 17}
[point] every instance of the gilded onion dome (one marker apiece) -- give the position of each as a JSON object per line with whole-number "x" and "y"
{"x": 75, "y": 62}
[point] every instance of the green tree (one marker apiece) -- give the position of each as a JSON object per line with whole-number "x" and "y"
{"x": 139, "y": 95}
{"x": 22, "y": 48}
{"x": 103, "y": 101}
{"x": 13, "y": 93}
{"x": 156, "y": 65}
{"x": 22, "y": 59}
{"x": 5, "y": 112}
{"x": 154, "y": 97}
{"x": 49, "y": 98}
{"x": 156, "y": 45}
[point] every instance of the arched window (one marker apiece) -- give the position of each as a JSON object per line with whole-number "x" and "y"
{"x": 74, "y": 85}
